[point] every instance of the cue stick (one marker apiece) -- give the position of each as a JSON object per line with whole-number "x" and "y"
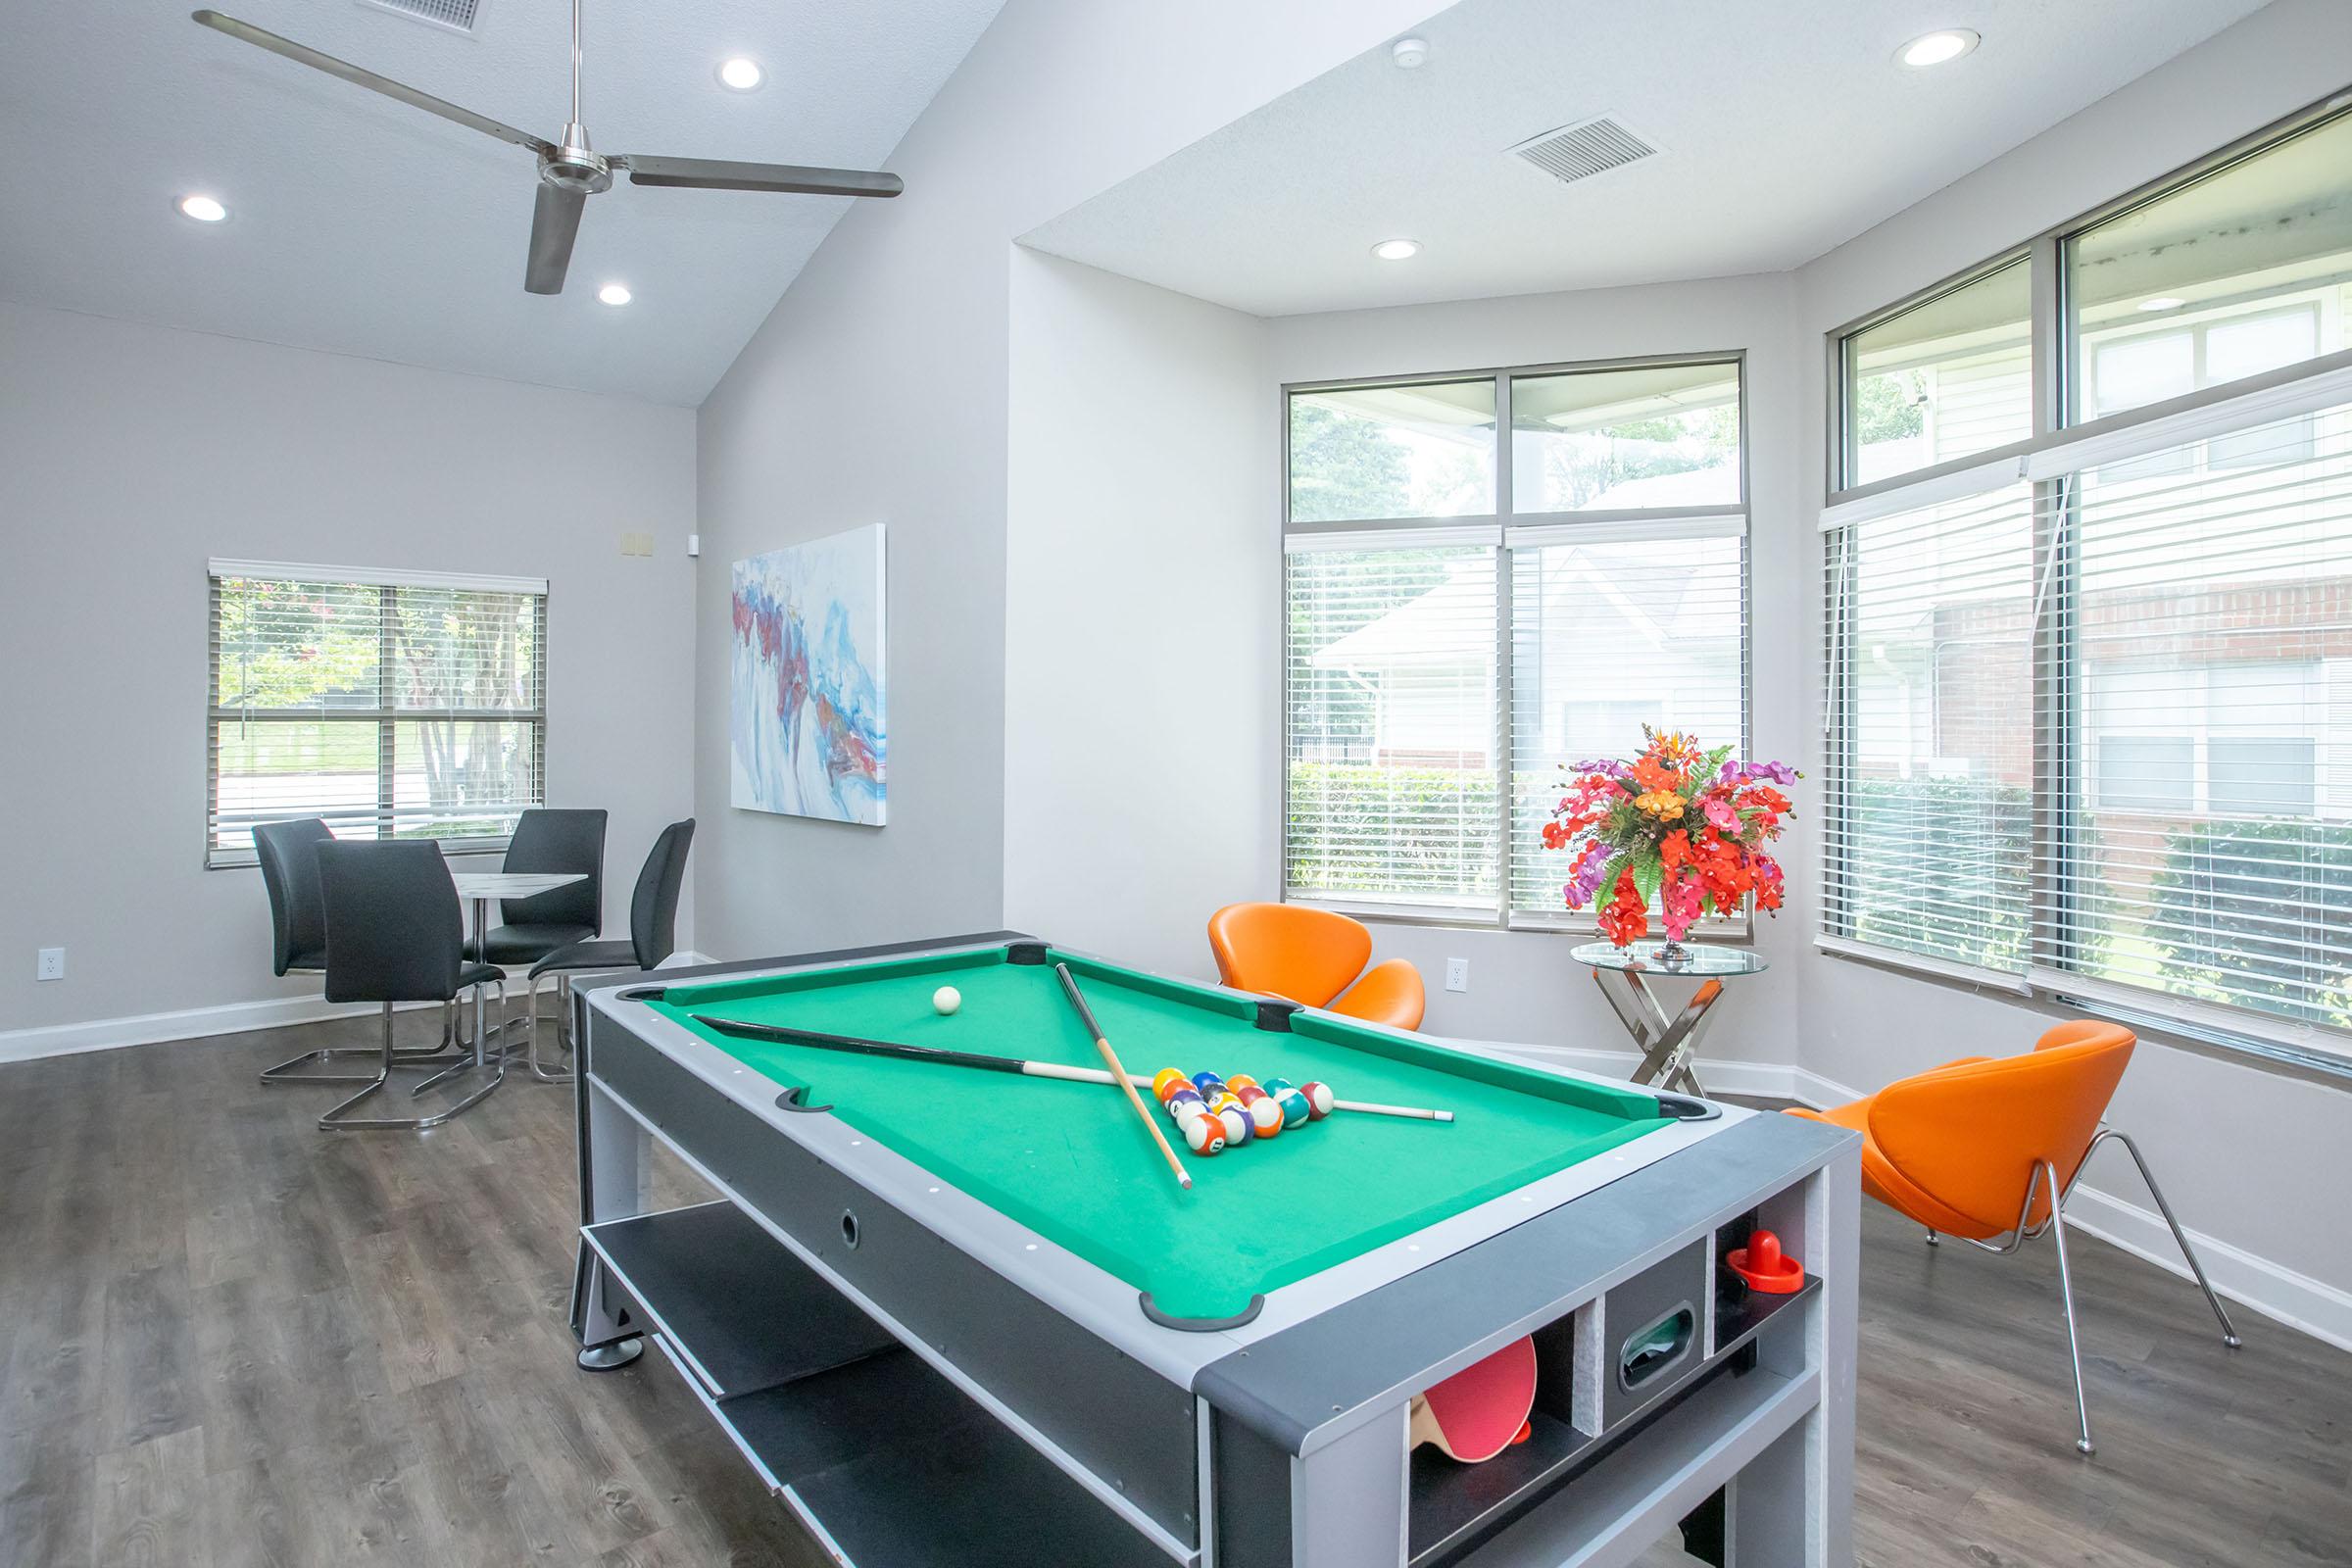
{"x": 778, "y": 1034}
{"x": 1110, "y": 1059}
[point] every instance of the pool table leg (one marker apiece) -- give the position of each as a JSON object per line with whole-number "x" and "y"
{"x": 615, "y": 1173}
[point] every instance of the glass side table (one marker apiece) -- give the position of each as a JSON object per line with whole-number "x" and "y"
{"x": 1667, "y": 1044}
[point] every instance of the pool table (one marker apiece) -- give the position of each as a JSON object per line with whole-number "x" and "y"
{"x": 954, "y": 1315}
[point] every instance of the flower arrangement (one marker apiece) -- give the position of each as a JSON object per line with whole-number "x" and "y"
{"x": 1677, "y": 825}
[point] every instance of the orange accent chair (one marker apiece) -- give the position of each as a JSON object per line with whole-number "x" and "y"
{"x": 1991, "y": 1146}
{"x": 1313, "y": 957}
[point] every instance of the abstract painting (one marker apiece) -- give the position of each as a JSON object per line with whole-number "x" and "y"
{"x": 806, "y": 720}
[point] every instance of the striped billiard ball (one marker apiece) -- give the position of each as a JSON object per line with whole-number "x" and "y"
{"x": 1204, "y": 1134}
{"x": 1319, "y": 1098}
{"x": 1264, "y": 1113}
{"x": 1237, "y": 1124}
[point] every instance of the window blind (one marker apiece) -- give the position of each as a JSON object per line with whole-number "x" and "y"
{"x": 391, "y": 705}
{"x": 1614, "y": 626}
{"x": 1391, "y": 720}
{"x": 2206, "y": 809}
{"x": 1929, "y": 806}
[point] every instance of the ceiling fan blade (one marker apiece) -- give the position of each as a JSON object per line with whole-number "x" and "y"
{"x": 554, "y": 224}
{"x": 712, "y": 174}
{"x": 361, "y": 76}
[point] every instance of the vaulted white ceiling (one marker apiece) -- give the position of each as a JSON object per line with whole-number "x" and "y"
{"x": 364, "y": 227}
{"x": 1784, "y": 128}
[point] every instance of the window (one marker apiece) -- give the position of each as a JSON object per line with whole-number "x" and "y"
{"x": 1614, "y": 627}
{"x": 1929, "y": 802}
{"x": 1391, "y": 678}
{"x": 2212, "y": 856}
{"x": 1435, "y": 652}
{"x": 2089, "y": 697}
{"x": 1946, "y": 377}
{"x": 1418, "y": 450}
{"x": 1662, "y": 435}
{"x": 390, "y": 704}
{"x": 2243, "y": 269}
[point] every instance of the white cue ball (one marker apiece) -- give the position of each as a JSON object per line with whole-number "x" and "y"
{"x": 946, "y": 999}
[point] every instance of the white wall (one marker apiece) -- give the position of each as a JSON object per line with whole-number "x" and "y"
{"x": 2255, "y": 1159}
{"x": 128, "y": 455}
{"x": 1142, "y": 613}
{"x": 878, "y": 392}
{"x": 1523, "y": 985}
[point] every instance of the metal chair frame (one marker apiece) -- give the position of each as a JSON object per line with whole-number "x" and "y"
{"x": 2045, "y": 1179}
{"x": 338, "y": 1119}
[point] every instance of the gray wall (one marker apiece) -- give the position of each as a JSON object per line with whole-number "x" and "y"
{"x": 878, "y": 392}
{"x": 1143, "y": 616}
{"x": 128, "y": 455}
{"x": 2254, "y": 1157}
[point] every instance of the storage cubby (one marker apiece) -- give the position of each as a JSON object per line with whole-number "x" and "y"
{"x": 1603, "y": 1374}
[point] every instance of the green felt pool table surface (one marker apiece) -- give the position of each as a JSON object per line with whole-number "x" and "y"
{"x": 1072, "y": 1163}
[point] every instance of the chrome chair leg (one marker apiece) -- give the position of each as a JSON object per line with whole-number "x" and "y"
{"x": 563, "y": 1010}
{"x": 2180, "y": 1236}
{"x": 468, "y": 1062}
{"x": 338, "y": 1119}
{"x": 2048, "y": 1177}
{"x": 282, "y": 1075}
{"x": 1934, "y": 1240}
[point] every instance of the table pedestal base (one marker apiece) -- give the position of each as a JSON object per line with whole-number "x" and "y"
{"x": 1668, "y": 1044}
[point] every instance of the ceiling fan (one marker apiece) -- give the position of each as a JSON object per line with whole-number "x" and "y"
{"x": 569, "y": 172}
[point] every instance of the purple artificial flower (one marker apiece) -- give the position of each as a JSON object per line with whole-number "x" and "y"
{"x": 1779, "y": 773}
{"x": 1584, "y": 877}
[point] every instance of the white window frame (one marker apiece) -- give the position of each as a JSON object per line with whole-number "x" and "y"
{"x": 1502, "y": 528}
{"x": 2060, "y": 445}
{"x": 220, "y": 859}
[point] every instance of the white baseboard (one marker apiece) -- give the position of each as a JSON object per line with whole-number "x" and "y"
{"x": 188, "y": 1024}
{"x": 2314, "y": 1306}
{"x": 196, "y": 1023}
{"x": 1763, "y": 1079}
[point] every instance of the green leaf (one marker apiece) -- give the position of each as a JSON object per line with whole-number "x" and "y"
{"x": 1649, "y": 875}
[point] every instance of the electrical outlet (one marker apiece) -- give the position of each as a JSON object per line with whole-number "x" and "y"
{"x": 52, "y": 964}
{"x": 1457, "y": 975}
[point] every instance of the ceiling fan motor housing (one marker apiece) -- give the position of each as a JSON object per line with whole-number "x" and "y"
{"x": 573, "y": 166}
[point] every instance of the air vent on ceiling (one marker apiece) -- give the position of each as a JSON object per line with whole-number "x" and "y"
{"x": 458, "y": 16}
{"x": 1586, "y": 148}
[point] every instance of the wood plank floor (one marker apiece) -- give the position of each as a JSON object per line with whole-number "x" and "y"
{"x": 226, "y": 1338}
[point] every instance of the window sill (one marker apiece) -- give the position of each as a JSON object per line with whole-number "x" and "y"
{"x": 474, "y": 847}
{"x": 1741, "y": 934}
{"x": 2055, "y": 996}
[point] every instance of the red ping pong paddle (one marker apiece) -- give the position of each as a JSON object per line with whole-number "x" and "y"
{"x": 1482, "y": 1410}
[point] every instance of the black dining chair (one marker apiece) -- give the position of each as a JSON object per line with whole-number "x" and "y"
{"x": 288, "y": 854}
{"x": 549, "y": 840}
{"x": 652, "y": 934}
{"x": 394, "y": 934}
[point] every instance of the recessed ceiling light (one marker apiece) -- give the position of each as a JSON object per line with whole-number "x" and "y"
{"x": 2162, "y": 302}
{"x": 1408, "y": 52}
{"x": 203, "y": 208}
{"x": 1397, "y": 250}
{"x": 1938, "y": 48}
{"x": 741, "y": 74}
{"x": 613, "y": 294}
